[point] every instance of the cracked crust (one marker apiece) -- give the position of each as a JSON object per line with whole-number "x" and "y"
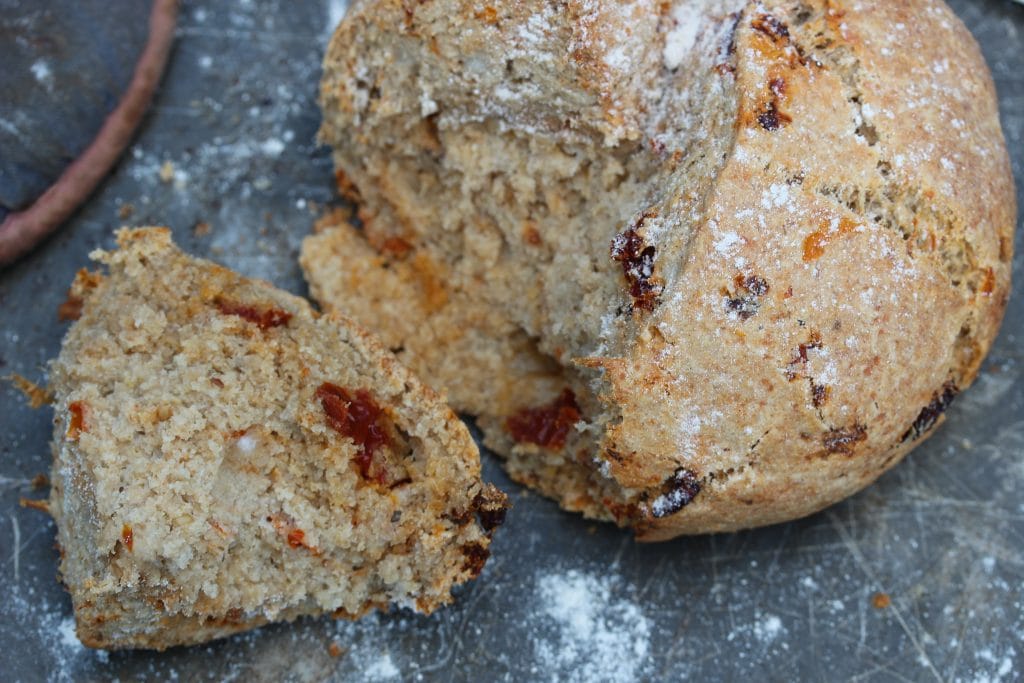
{"x": 759, "y": 308}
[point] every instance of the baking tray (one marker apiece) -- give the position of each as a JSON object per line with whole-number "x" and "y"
{"x": 917, "y": 578}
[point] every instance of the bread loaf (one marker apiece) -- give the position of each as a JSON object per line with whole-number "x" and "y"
{"x": 696, "y": 266}
{"x": 224, "y": 456}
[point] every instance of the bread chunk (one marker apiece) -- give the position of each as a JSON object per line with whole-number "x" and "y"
{"x": 724, "y": 262}
{"x": 225, "y": 456}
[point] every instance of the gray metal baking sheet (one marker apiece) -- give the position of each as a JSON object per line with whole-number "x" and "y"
{"x": 942, "y": 535}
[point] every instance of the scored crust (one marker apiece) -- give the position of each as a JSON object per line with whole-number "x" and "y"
{"x": 225, "y": 456}
{"x": 763, "y": 244}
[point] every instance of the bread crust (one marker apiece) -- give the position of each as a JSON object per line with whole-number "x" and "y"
{"x": 777, "y": 439}
{"x": 822, "y": 288}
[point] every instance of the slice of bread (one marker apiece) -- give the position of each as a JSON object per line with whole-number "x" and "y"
{"x": 761, "y": 245}
{"x": 224, "y": 456}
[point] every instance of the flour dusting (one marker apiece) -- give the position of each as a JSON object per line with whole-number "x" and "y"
{"x": 596, "y": 636}
{"x": 994, "y": 668}
{"x": 26, "y": 609}
{"x": 382, "y": 669}
{"x": 769, "y": 628}
{"x": 686, "y": 20}
{"x": 335, "y": 13}
{"x": 42, "y": 73}
{"x": 766, "y": 633}
{"x": 68, "y": 636}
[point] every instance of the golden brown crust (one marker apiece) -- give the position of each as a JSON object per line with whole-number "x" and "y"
{"x": 798, "y": 283}
{"x": 883, "y": 253}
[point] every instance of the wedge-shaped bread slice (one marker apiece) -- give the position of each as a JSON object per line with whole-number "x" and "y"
{"x": 224, "y": 456}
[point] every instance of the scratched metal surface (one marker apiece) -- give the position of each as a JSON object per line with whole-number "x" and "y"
{"x": 942, "y": 535}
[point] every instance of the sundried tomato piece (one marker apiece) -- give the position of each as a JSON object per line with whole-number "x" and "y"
{"x": 491, "y": 508}
{"x": 844, "y": 439}
{"x": 931, "y": 413}
{"x": 988, "y": 284}
{"x": 77, "y": 424}
{"x": 771, "y": 26}
{"x": 677, "y": 492}
{"x": 800, "y": 357}
{"x": 637, "y": 259}
{"x": 547, "y": 426}
{"x": 745, "y": 301}
{"x": 71, "y": 309}
{"x": 264, "y": 318}
{"x": 488, "y": 15}
{"x": 532, "y": 236}
{"x": 819, "y": 393}
{"x": 771, "y": 119}
{"x": 815, "y": 243}
{"x": 346, "y": 188}
{"x": 475, "y": 557}
{"x": 358, "y": 417}
{"x": 297, "y": 538}
{"x": 128, "y": 537}
{"x": 396, "y": 247}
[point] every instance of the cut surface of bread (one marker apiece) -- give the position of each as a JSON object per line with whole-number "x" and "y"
{"x": 224, "y": 456}
{"x": 722, "y": 262}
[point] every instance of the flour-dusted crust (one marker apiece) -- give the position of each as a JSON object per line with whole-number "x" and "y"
{"x": 213, "y": 471}
{"x": 764, "y": 244}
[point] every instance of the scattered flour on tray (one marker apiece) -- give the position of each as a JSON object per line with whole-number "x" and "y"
{"x": 382, "y": 669}
{"x": 681, "y": 38}
{"x": 42, "y": 73}
{"x": 769, "y": 628}
{"x": 992, "y": 668}
{"x": 52, "y": 625}
{"x": 594, "y": 634}
{"x": 68, "y": 637}
{"x": 335, "y": 12}
{"x": 765, "y": 633}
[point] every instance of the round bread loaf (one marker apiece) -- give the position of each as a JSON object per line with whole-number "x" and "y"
{"x": 696, "y": 266}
